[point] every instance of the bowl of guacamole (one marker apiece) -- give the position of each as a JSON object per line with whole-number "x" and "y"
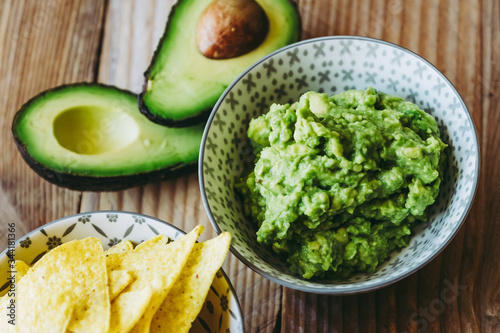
{"x": 339, "y": 164}
{"x": 340, "y": 182}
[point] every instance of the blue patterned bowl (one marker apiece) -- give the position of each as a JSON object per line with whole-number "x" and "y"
{"x": 221, "y": 311}
{"x": 332, "y": 65}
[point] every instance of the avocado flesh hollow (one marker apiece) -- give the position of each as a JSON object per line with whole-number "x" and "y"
{"x": 93, "y": 137}
{"x": 182, "y": 85}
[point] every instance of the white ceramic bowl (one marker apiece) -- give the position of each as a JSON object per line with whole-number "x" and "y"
{"x": 221, "y": 311}
{"x": 333, "y": 65}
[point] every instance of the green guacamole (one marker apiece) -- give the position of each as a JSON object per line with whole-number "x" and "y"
{"x": 339, "y": 182}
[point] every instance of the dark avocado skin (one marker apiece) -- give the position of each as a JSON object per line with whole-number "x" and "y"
{"x": 117, "y": 183}
{"x": 91, "y": 183}
{"x": 203, "y": 114}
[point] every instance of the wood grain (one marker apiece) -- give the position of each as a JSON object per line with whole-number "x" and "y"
{"x": 50, "y": 42}
{"x": 488, "y": 281}
{"x": 42, "y": 44}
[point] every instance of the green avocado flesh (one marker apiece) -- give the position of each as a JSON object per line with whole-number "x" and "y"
{"x": 340, "y": 182}
{"x": 93, "y": 137}
{"x": 181, "y": 84}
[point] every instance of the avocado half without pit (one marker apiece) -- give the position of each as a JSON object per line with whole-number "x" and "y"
{"x": 92, "y": 137}
{"x": 205, "y": 46}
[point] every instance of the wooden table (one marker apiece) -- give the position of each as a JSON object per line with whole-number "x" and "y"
{"x": 44, "y": 43}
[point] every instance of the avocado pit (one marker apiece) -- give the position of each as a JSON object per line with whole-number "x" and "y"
{"x": 92, "y": 130}
{"x": 231, "y": 28}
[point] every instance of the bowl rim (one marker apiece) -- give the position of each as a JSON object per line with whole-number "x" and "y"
{"x": 121, "y": 212}
{"x": 354, "y": 289}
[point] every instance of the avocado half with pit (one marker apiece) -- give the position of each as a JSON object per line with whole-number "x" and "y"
{"x": 205, "y": 46}
{"x": 92, "y": 137}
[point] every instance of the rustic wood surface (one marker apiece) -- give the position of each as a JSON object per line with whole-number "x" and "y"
{"x": 44, "y": 43}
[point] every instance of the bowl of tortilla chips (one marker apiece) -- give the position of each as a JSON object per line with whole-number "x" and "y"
{"x": 113, "y": 271}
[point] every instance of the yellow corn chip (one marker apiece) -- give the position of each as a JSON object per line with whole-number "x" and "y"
{"x": 21, "y": 269}
{"x": 123, "y": 246}
{"x": 57, "y": 324}
{"x": 156, "y": 257}
{"x": 134, "y": 301}
{"x": 8, "y": 320}
{"x": 118, "y": 274}
{"x": 69, "y": 283}
{"x": 150, "y": 244}
{"x": 117, "y": 281}
{"x": 185, "y": 300}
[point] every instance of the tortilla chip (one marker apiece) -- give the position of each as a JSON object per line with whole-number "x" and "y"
{"x": 134, "y": 301}
{"x": 156, "y": 257}
{"x": 7, "y": 324}
{"x": 63, "y": 308}
{"x": 117, "y": 281}
{"x": 70, "y": 279}
{"x": 151, "y": 243}
{"x": 123, "y": 246}
{"x": 21, "y": 269}
{"x": 185, "y": 300}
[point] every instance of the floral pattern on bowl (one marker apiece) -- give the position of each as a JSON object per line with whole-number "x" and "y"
{"x": 333, "y": 65}
{"x": 221, "y": 311}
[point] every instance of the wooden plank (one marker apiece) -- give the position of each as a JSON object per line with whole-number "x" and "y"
{"x": 131, "y": 34}
{"x": 406, "y": 299}
{"x": 488, "y": 282}
{"x": 42, "y": 44}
